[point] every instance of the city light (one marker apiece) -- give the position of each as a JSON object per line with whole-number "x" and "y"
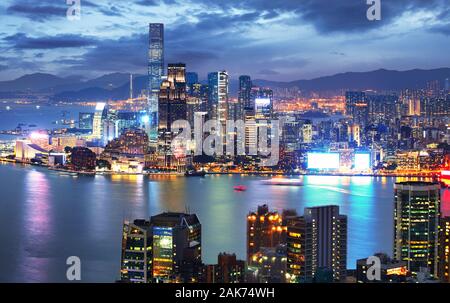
{"x": 323, "y": 160}
{"x": 145, "y": 119}
{"x": 362, "y": 161}
{"x": 100, "y": 106}
{"x": 262, "y": 101}
{"x": 37, "y": 136}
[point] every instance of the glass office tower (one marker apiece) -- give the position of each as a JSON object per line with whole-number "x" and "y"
{"x": 155, "y": 74}
{"x": 416, "y": 225}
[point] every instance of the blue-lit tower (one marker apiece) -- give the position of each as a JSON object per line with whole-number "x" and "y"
{"x": 155, "y": 74}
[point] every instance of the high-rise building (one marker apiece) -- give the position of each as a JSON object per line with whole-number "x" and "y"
{"x": 416, "y": 223}
{"x": 264, "y": 229}
{"x": 307, "y": 133}
{"x": 317, "y": 241}
{"x": 444, "y": 249}
{"x": 167, "y": 248}
{"x": 176, "y": 247}
{"x": 270, "y": 265}
{"x": 262, "y": 99}
{"x": 191, "y": 79}
{"x": 357, "y": 107}
{"x": 230, "y": 270}
{"x": 244, "y": 94}
{"x": 171, "y": 107}
{"x": 155, "y": 74}
{"x": 137, "y": 244}
{"x": 85, "y": 121}
{"x": 101, "y": 111}
{"x": 109, "y": 130}
{"x": 218, "y": 96}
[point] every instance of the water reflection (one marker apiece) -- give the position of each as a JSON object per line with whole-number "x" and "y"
{"x": 53, "y": 217}
{"x": 37, "y": 226}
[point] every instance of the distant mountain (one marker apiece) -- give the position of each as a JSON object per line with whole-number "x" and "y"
{"x": 381, "y": 79}
{"x": 47, "y": 83}
{"x": 104, "y": 93}
{"x": 33, "y": 82}
{"x": 116, "y": 85}
{"x": 107, "y": 82}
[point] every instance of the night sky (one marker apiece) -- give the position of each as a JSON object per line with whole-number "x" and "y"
{"x": 276, "y": 39}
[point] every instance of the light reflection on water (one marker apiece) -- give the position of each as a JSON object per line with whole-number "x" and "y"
{"x": 46, "y": 217}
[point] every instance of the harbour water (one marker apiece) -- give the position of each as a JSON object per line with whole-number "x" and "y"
{"x": 46, "y": 216}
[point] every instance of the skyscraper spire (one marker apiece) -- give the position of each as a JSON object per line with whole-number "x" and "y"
{"x": 131, "y": 86}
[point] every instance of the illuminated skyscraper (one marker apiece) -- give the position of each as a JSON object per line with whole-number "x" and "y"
{"x": 136, "y": 265}
{"x": 245, "y": 87}
{"x": 317, "y": 241}
{"x": 155, "y": 73}
{"x": 264, "y": 229}
{"x": 244, "y": 95}
{"x": 307, "y": 133}
{"x": 356, "y": 106}
{"x": 191, "y": 79}
{"x": 218, "y": 96}
{"x": 171, "y": 107}
{"x": 262, "y": 100}
{"x": 444, "y": 250}
{"x": 416, "y": 222}
{"x": 85, "y": 121}
{"x": 165, "y": 249}
{"x": 99, "y": 116}
{"x": 176, "y": 243}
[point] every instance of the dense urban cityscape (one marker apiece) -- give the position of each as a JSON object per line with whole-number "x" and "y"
{"x": 178, "y": 131}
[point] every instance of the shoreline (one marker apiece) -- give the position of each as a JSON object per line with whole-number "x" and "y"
{"x": 249, "y": 173}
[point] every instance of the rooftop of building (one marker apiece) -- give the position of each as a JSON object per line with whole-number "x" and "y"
{"x": 172, "y": 219}
{"x": 417, "y": 183}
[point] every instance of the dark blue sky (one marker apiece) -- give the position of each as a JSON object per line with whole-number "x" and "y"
{"x": 276, "y": 39}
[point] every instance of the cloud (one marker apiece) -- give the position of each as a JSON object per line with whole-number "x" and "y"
{"x": 45, "y": 10}
{"x": 22, "y": 41}
{"x": 38, "y": 13}
{"x": 123, "y": 54}
{"x": 277, "y": 38}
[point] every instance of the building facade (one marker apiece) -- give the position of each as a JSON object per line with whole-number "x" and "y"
{"x": 416, "y": 225}
{"x": 317, "y": 241}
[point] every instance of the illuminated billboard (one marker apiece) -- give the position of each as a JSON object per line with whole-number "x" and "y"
{"x": 323, "y": 160}
{"x": 362, "y": 161}
{"x": 262, "y": 101}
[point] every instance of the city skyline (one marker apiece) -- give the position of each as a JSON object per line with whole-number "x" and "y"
{"x": 171, "y": 141}
{"x": 324, "y": 38}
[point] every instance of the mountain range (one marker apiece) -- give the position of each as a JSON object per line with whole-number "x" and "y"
{"x": 115, "y": 86}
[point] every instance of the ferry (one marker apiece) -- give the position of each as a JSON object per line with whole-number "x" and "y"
{"x": 283, "y": 182}
{"x": 240, "y": 188}
{"x": 195, "y": 173}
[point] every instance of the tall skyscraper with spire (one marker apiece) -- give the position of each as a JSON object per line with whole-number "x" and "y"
{"x": 155, "y": 74}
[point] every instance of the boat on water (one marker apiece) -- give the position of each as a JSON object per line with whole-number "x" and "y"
{"x": 195, "y": 173}
{"x": 240, "y": 188}
{"x": 283, "y": 182}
